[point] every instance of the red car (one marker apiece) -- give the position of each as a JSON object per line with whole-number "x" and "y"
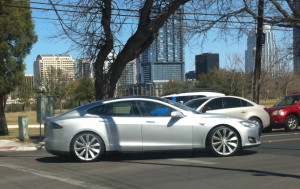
{"x": 286, "y": 113}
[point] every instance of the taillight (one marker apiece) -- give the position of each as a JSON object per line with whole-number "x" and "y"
{"x": 56, "y": 126}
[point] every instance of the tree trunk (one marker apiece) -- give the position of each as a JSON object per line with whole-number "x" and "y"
{"x": 60, "y": 105}
{"x": 3, "y": 124}
{"x": 259, "y": 42}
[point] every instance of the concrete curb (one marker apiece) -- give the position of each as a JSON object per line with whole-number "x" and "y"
{"x": 8, "y": 145}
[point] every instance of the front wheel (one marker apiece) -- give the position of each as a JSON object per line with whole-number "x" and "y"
{"x": 223, "y": 141}
{"x": 87, "y": 147}
{"x": 291, "y": 123}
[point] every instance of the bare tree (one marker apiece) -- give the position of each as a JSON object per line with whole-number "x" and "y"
{"x": 99, "y": 27}
{"x": 97, "y": 23}
{"x": 56, "y": 84}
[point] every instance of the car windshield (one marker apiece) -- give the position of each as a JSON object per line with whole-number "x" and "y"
{"x": 179, "y": 105}
{"x": 194, "y": 104}
{"x": 288, "y": 100}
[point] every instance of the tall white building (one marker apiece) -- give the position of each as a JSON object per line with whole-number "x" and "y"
{"x": 129, "y": 74}
{"x": 43, "y": 64}
{"x": 269, "y": 60}
{"x": 84, "y": 68}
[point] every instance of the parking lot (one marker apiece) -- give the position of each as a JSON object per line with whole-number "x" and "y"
{"x": 274, "y": 164}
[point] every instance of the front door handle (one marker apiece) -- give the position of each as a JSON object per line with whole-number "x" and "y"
{"x": 150, "y": 121}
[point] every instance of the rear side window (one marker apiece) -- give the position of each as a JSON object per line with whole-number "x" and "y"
{"x": 232, "y": 102}
{"x": 245, "y": 103}
{"x": 127, "y": 108}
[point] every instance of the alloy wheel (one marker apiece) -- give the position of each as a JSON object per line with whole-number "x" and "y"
{"x": 88, "y": 147}
{"x": 225, "y": 141}
{"x": 292, "y": 123}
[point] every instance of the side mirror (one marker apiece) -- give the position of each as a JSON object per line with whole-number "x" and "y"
{"x": 177, "y": 114}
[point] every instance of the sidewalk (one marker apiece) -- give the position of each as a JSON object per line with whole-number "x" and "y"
{"x": 10, "y": 145}
{"x": 29, "y": 126}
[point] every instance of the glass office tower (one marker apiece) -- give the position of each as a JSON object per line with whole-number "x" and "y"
{"x": 164, "y": 59}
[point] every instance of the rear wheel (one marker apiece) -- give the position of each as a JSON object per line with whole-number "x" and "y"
{"x": 87, "y": 147}
{"x": 291, "y": 123}
{"x": 223, "y": 141}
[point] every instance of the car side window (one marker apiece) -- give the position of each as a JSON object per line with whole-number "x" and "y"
{"x": 153, "y": 109}
{"x": 232, "y": 102}
{"x": 127, "y": 108}
{"x": 214, "y": 104}
{"x": 245, "y": 103}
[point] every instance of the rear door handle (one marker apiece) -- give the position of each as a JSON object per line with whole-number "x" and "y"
{"x": 243, "y": 112}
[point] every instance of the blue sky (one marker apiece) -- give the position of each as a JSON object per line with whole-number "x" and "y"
{"x": 46, "y": 45}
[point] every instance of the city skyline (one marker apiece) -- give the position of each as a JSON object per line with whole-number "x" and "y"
{"x": 50, "y": 41}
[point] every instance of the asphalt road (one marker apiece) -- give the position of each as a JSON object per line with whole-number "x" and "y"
{"x": 274, "y": 164}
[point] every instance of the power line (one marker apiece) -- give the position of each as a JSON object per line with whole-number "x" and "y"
{"x": 136, "y": 16}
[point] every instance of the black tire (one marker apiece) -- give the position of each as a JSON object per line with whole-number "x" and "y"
{"x": 268, "y": 129}
{"x": 223, "y": 141}
{"x": 87, "y": 147}
{"x": 259, "y": 122}
{"x": 291, "y": 123}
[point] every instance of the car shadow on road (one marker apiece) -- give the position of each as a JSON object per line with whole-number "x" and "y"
{"x": 131, "y": 156}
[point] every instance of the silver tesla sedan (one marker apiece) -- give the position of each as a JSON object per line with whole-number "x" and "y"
{"x": 145, "y": 124}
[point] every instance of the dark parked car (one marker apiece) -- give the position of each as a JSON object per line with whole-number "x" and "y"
{"x": 286, "y": 113}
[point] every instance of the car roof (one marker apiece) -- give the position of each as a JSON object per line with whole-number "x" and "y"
{"x": 195, "y": 94}
{"x": 213, "y": 97}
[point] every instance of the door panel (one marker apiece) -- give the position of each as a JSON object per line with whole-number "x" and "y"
{"x": 162, "y": 132}
{"x": 126, "y": 133}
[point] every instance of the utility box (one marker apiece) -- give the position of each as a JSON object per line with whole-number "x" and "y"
{"x": 23, "y": 128}
{"x": 45, "y": 108}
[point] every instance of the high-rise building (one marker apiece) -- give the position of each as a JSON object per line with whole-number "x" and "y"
{"x": 84, "y": 68}
{"x": 269, "y": 61}
{"x": 129, "y": 74}
{"x": 206, "y": 62}
{"x": 164, "y": 59}
{"x": 44, "y": 63}
{"x": 296, "y": 42}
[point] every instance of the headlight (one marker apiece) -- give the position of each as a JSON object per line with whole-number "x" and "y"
{"x": 278, "y": 112}
{"x": 248, "y": 124}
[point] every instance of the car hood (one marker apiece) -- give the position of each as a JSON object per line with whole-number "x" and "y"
{"x": 272, "y": 109}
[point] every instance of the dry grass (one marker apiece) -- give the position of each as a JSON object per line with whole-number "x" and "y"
{"x": 12, "y": 117}
{"x": 268, "y": 103}
{"x": 34, "y": 135}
